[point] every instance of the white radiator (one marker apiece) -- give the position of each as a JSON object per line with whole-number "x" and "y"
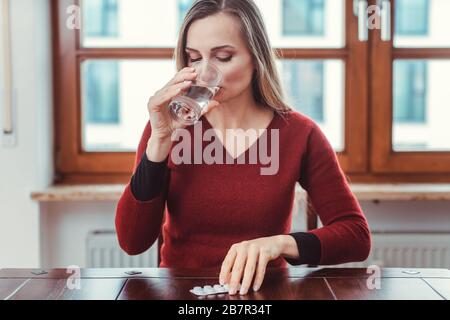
{"x": 388, "y": 250}
{"x": 103, "y": 251}
{"x": 408, "y": 250}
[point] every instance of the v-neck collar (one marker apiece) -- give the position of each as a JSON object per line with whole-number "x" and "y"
{"x": 256, "y": 142}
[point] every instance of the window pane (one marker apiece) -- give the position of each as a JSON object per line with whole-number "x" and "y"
{"x": 115, "y": 95}
{"x": 412, "y": 18}
{"x": 304, "y": 23}
{"x": 101, "y": 79}
{"x": 410, "y": 91}
{"x": 131, "y": 23}
{"x": 183, "y": 7}
{"x": 101, "y": 18}
{"x": 316, "y": 89}
{"x": 421, "y": 105}
{"x": 156, "y": 23}
{"x": 114, "y": 100}
{"x": 303, "y": 18}
{"x": 422, "y": 23}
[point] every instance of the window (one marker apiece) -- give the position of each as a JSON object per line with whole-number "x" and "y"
{"x": 114, "y": 96}
{"x": 421, "y": 23}
{"x": 303, "y": 17}
{"x": 409, "y": 94}
{"x": 316, "y": 88}
{"x": 410, "y": 80}
{"x": 411, "y": 17}
{"x": 420, "y": 106}
{"x": 124, "y": 53}
{"x": 183, "y": 7}
{"x": 101, "y": 92}
{"x": 305, "y": 81}
{"x": 382, "y": 104}
{"x": 101, "y": 18}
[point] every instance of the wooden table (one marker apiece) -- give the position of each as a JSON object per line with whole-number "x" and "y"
{"x": 279, "y": 284}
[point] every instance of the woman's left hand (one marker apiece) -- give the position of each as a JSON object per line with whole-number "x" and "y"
{"x": 246, "y": 258}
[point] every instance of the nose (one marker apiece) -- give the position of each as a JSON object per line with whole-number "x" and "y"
{"x": 208, "y": 73}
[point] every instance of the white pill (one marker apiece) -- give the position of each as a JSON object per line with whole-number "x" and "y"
{"x": 208, "y": 290}
{"x": 198, "y": 290}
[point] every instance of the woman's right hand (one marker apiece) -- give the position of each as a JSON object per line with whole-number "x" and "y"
{"x": 162, "y": 124}
{"x": 160, "y": 119}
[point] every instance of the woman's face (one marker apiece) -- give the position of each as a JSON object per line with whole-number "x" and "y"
{"x": 218, "y": 39}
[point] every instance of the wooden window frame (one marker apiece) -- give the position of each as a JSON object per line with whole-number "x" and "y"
{"x": 366, "y": 157}
{"x": 411, "y": 166}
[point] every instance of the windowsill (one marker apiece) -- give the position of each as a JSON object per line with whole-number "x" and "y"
{"x": 364, "y": 192}
{"x": 85, "y": 192}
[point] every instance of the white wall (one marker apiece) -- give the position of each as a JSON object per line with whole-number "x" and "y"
{"x": 65, "y": 226}
{"x": 28, "y": 166}
{"x": 403, "y": 216}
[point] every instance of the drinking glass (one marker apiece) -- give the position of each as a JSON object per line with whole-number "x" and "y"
{"x": 187, "y": 108}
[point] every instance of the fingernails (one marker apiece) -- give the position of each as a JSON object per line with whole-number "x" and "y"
{"x": 232, "y": 290}
{"x": 256, "y": 288}
{"x": 243, "y": 291}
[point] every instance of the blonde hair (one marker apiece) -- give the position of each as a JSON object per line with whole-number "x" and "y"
{"x": 266, "y": 83}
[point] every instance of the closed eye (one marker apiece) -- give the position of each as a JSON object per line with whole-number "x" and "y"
{"x": 227, "y": 59}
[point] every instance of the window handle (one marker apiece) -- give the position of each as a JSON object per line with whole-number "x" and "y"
{"x": 6, "y": 93}
{"x": 6, "y": 90}
{"x": 360, "y": 10}
{"x": 385, "y": 14}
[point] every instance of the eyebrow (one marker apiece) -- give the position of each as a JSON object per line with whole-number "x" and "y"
{"x": 213, "y": 49}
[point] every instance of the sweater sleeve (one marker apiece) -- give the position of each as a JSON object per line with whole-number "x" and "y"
{"x": 148, "y": 178}
{"x": 345, "y": 235}
{"x": 138, "y": 223}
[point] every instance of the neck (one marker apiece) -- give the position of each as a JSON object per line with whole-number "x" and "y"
{"x": 234, "y": 114}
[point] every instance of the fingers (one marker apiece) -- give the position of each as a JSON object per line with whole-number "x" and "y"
{"x": 167, "y": 94}
{"x": 238, "y": 269}
{"x": 261, "y": 270}
{"x": 176, "y": 89}
{"x": 227, "y": 264}
{"x": 250, "y": 266}
{"x": 245, "y": 262}
{"x": 183, "y": 75}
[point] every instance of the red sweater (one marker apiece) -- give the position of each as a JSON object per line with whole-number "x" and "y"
{"x": 205, "y": 208}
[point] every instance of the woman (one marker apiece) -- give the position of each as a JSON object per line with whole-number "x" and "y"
{"x": 230, "y": 215}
